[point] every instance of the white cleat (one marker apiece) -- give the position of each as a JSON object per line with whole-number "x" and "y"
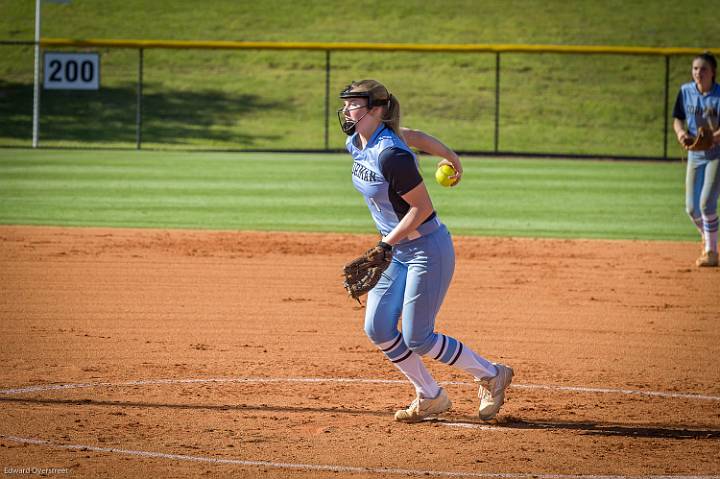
{"x": 708, "y": 259}
{"x": 421, "y": 408}
{"x": 492, "y": 392}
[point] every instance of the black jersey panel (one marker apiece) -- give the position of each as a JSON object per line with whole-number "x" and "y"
{"x": 400, "y": 171}
{"x": 679, "y": 110}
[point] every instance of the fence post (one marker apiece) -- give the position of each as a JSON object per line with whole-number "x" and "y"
{"x": 497, "y": 101}
{"x": 138, "y": 117}
{"x": 36, "y": 85}
{"x": 667, "y": 93}
{"x": 327, "y": 99}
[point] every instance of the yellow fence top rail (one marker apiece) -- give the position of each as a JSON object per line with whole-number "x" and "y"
{"x": 408, "y": 47}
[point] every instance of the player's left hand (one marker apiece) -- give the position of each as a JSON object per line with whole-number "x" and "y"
{"x": 364, "y": 272}
{"x": 704, "y": 140}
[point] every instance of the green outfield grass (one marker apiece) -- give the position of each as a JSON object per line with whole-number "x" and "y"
{"x": 299, "y": 192}
{"x": 568, "y": 104}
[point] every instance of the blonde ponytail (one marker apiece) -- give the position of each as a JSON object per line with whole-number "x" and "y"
{"x": 392, "y": 115}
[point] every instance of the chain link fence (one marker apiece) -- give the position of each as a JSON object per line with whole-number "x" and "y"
{"x": 592, "y": 102}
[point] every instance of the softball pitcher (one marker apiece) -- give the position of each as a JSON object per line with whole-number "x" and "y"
{"x": 698, "y": 105}
{"x": 385, "y": 172}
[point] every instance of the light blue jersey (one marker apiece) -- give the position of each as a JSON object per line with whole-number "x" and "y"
{"x": 699, "y": 110}
{"x": 382, "y": 172}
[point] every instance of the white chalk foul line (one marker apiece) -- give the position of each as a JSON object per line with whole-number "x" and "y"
{"x": 154, "y": 382}
{"x": 662, "y": 394}
{"x": 471, "y": 425}
{"x": 150, "y": 382}
{"x": 330, "y": 467}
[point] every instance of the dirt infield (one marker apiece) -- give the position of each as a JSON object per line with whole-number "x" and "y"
{"x": 139, "y": 353}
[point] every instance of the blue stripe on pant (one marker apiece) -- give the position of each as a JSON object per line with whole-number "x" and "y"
{"x": 414, "y": 286}
{"x": 397, "y": 351}
{"x": 711, "y": 226}
{"x": 450, "y": 350}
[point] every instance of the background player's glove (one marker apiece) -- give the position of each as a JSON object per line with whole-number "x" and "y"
{"x": 364, "y": 272}
{"x": 703, "y": 141}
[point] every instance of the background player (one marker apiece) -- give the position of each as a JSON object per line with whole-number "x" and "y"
{"x": 385, "y": 172}
{"x": 698, "y": 105}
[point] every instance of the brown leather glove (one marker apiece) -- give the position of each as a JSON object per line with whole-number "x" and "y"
{"x": 703, "y": 141}
{"x": 364, "y": 272}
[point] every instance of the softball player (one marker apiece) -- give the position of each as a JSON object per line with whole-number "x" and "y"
{"x": 385, "y": 172}
{"x": 698, "y": 105}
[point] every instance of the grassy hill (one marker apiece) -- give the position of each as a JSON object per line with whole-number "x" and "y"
{"x": 275, "y": 99}
{"x": 604, "y": 22}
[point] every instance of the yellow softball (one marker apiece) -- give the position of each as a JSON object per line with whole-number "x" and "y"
{"x": 442, "y": 175}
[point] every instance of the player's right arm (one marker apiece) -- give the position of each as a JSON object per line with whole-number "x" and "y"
{"x": 429, "y": 144}
{"x": 679, "y": 121}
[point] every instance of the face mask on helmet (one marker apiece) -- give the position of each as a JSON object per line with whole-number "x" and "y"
{"x": 347, "y": 125}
